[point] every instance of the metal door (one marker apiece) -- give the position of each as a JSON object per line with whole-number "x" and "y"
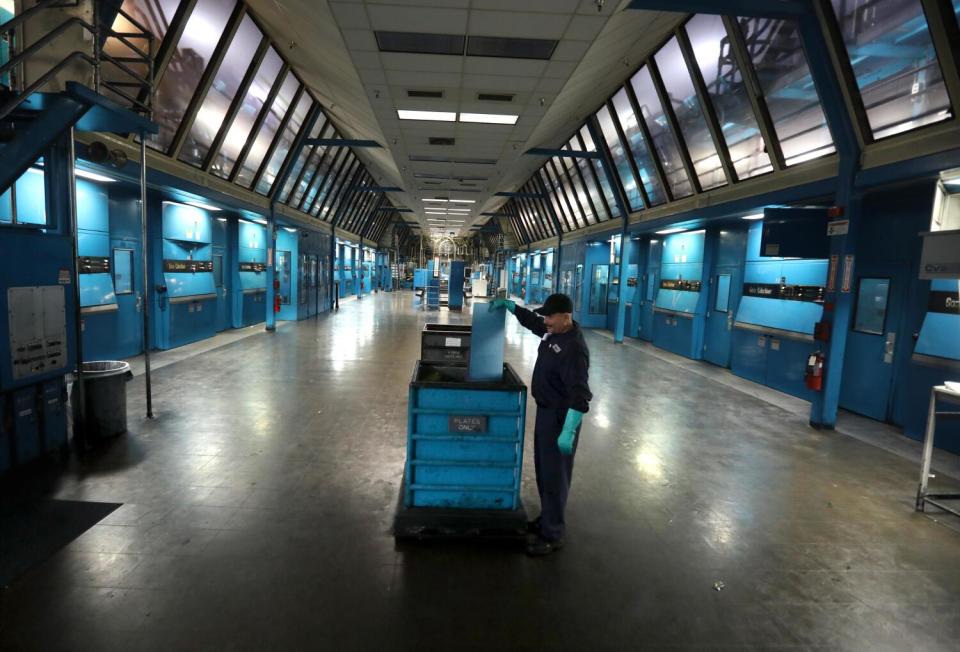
{"x": 312, "y": 290}
{"x": 128, "y": 288}
{"x": 220, "y": 280}
{"x": 871, "y": 343}
{"x": 726, "y": 287}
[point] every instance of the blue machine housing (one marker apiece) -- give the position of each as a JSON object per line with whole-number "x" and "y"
{"x": 678, "y": 313}
{"x": 287, "y": 261}
{"x": 773, "y": 337}
{"x": 250, "y": 301}
{"x": 186, "y": 302}
{"x": 464, "y": 439}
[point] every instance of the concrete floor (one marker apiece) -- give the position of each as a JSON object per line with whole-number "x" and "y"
{"x": 257, "y": 510}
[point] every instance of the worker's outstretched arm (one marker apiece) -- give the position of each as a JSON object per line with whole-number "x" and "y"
{"x": 527, "y": 318}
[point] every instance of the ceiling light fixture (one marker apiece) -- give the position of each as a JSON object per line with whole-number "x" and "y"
{"x": 93, "y": 176}
{"x": 431, "y": 199}
{"x": 669, "y": 231}
{"x": 755, "y": 216}
{"x": 438, "y": 116}
{"x": 200, "y": 204}
{"x": 464, "y": 201}
{"x": 489, "y": 118}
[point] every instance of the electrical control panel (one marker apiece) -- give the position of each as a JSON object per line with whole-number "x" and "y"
{"x": 38, "y": 330}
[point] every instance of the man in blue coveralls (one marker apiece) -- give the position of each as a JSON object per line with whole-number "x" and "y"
{"x": 563, "y": 396}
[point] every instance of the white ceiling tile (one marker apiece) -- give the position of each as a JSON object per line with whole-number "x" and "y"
{"x": 368, "y": 60}
{"x": 370, "y": 76}
{"x": 551, "y": 84}
{"x": 585, "y": 28}
{"x": 505, "y": 67}
{"x": 360, "y": 39}
{"x": 505, "y": 84}
{"x": 350, "y": 16}
{"x": 417, "y": 19}
{"x": 422, "y": 79}
{"x": 422, "y": 62}
{"x": 570, "y": 51}
{"x": 518, "y": 24}
{"x": 560, "y": 69}
{"x": 551, "y": 6}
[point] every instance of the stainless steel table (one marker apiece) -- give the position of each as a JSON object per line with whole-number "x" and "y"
{"x": 924, "y": 496}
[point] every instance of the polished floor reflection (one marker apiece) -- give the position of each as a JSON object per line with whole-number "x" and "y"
{"x": 257, "y": 507}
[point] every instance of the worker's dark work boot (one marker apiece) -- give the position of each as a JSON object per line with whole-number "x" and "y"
{"x": 533, "y": 527}
{"x": 540, "y": 547}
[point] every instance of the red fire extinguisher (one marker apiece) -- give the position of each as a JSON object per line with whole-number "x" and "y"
{"x": 276, "y": 296}
{"x": 814, "y": 373}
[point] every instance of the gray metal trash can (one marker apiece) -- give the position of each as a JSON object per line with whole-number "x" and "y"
{"x": 105, "y": 391}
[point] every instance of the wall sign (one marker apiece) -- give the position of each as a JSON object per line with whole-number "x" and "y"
{"x": 253, "y": 267}
{"x": 838, "y": 227}
{"x": 944, "y": 302}
{"x": 832, "y": 273}
{"x": 941, "y": 255}
{"x": 93, "y": 264}
{"x": 467, "y": 424}
{"x": 679, "y": 284}
{"x": 811, "y": 293}
{"x": 187, "y": 266}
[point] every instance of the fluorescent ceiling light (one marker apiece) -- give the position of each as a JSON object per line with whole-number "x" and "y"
{"x": 93, "y": 176}
{"x": 221, "y": 219}
{"x": 290, "y": 229}
{"x": 432, "y": 199}
{"x": 439, "y": 116}
{"x": 464, "y": 201}
{"x": 489, "y": 118}
{"x": 755, "y": 216}
{"x": 669, "y": 231}
{"x": 436, "y": 212}
{"x": 200, "y": 204}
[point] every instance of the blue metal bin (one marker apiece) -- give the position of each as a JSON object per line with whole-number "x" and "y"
{"x": 464, "y": 439}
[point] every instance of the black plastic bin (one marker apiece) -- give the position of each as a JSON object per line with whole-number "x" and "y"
{"x": 446, "y": 343}
{"x": 105, "y": 393}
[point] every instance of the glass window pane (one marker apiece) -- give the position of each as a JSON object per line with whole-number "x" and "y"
{"x": 663, "y": 140}
{"x": 568, "y": 195}
{"x": 618, "y": 153}
{"x": 190, "y": 58}
{"x": 638, "y": 146}
{"x": 871, "y": 305}
{"x": 578, "y": 190}
{"x": 320, "y": 176}
{"x": 601, "y": 172}
{"x": 268, "y": 130}
{"x": 781, "y": 65}
{"x": 282, "y": 150}
{"x": 236, "y": 138}
{"x": 711, "y": 47}
{"x": 123, "y": 271}
{"x": 559, "y": 200}
{"x": 309, "y": 159}
{"x": 690, "y": 118}
{"x": 155, "y": 17}
{"x": 583, "y": 164}
{"x": 225, "y": 85}
{"x": 598, "y": 290}
{"x": 722, "y": 303}
{"x": 894, "y": 62}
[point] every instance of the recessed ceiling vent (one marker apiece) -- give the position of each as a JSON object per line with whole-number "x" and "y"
{"x": 437, "y": 140}
{"x": 495, "y": 97}
{"x": 411, "y": 92}
{"x": 417, "y": 43}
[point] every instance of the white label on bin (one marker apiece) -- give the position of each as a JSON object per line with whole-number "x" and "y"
{"x": 452, "y": 341}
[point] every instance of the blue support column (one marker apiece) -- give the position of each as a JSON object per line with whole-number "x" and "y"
{"x": 711, "y": 241}
{"x": 271, "y": 320}
{"x": 838, "y": 305}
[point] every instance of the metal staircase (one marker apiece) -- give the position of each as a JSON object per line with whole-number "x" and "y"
{"x": 56, "y": 78}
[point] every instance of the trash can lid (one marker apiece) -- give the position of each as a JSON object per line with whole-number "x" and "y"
{"x": 104, "y": 368}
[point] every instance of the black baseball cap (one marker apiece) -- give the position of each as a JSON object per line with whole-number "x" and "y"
{"x": 555, "y": 303}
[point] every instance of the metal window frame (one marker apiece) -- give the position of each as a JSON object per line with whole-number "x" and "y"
{"x": 578, "y": 178}
{"x": 237, "y": 103}
{"x": 258, "y": 123}
{"x": 170, "y": 40}
{"x": 648, "y": 143}
{"x": 855, "y": 309}
{"x": 572, "y": 189}
{"x": 524, "y": 235}
{"x": 206, "y": 80}
{"x": 706, "y": 103}
{"x": 945, "y": 34}
{"x": 318, "y": 179}
{"x": 296, "y": 149}
{"x": 527, "y": 204}
{"x": 758, "y": 101}
{"x": 349, "y": 194}
{"x": 338, "y": 187}
{"x": 514, "y": 222}
{"x": 672, "y": 121}
{"x": 113, "y": 270}
{"x": 278, "y": 137}
{"x": 311, "y": 163}
{"x": 528, "y": 217}
{"x": 360, "y": 202}
{"x": 546, "y": 190}
{"x": 611, "y": 183}
{"x": 593, "y": 178}
{"x": 337, "y": 163}
{"x": 536, "y": 183}
{"x": 557, "y": 189}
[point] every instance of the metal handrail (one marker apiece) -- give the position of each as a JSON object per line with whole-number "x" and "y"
{"x": 142, "y": 103}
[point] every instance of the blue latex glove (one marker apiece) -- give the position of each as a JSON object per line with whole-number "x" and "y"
{"x": 496, "y": 304}
{"x": 570, "y": 425}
